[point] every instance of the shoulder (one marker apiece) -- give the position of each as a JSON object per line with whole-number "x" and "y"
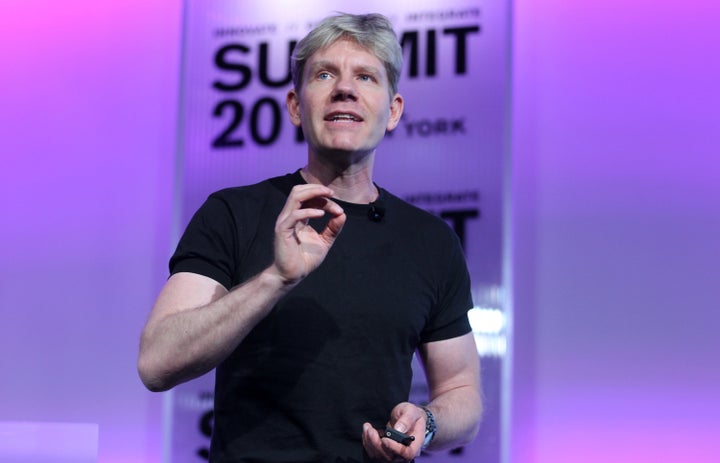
{"x": 257, "y": 195}
{"x": 275, "y": 186}
{"x": 412, "y": 216}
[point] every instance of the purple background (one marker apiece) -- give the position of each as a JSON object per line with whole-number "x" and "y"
{"x": 615, "y": 214}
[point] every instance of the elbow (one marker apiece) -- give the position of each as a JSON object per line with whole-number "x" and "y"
{"x": 154, "y": 369}
{"x": 155, "y": 384}
{"x": 469, "y": 435}
{"x": 475, "y": 427}
{"x": 153, "y": 377}
{"x": 474, "y": 420}
{"x": 472, "y": 433}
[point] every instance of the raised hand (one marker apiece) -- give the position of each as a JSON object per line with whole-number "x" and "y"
{"x": 299, "y": 249}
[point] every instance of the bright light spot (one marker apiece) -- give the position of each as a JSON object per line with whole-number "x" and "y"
{"x": 488, "y": 326}
{"x": 490, "y": 346}
{"x": 489, "y": 321}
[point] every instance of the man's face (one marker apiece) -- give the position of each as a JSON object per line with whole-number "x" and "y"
{"x": 344, "y": 103}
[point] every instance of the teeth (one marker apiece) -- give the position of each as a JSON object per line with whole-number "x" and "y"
{"x": 343, "y": 117}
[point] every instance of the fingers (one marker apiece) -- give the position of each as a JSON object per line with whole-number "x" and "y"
{"x": 299, "y": 249}
{"x": 374, "y": 445}
{"x": 385, "y": 449}
{"x": 407, "y": 417}
{"x": 308, "y": 201}
{"x": 335, "y": 225}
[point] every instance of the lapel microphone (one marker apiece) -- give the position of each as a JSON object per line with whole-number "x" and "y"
{"x": 376, "y": 213}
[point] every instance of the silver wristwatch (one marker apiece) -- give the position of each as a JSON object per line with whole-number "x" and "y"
{"x": 430, "y": 427}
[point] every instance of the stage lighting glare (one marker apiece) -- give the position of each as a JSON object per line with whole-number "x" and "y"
{"x": 488, "y": 326}
{"x": 486, "y": 321}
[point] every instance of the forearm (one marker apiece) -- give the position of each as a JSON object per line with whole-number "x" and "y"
{"x": 452, "y": 368}
{"x": 457, "y": 414}
{"x": 180, "y": 345}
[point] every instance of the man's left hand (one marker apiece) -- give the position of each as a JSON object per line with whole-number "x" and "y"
{"x": 406, "y": 418}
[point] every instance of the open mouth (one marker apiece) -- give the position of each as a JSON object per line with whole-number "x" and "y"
{"x": 343, "y": 117}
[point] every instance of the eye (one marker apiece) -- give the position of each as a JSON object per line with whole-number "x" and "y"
{"x": 365, "y": 78}
{"x": 323, "y": 75}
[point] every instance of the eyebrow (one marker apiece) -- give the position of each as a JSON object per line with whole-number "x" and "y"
{"x": 331, "y": 66}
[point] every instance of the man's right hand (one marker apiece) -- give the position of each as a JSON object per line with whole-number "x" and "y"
{"x": 299, "y": 249}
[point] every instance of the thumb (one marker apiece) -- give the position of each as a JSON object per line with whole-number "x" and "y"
{"x": 404, "y": 423}
{"x": 404, "y": 417}
{"x": 401, "y": 426}
{"x": 334, "y": 227}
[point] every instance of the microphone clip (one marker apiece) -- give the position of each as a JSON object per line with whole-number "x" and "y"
{"x": 376, "y": 213}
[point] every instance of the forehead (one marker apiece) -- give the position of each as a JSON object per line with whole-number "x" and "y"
{"x": 345, "y": 52}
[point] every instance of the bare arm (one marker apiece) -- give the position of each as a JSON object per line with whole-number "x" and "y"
{"x": 452, "y": 368}
{"x": 196, "y": 323}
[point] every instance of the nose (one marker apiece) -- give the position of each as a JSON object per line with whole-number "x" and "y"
{"x": 344, "y": 89}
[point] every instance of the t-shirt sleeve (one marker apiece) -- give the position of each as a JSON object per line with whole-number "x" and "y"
{"x": 208, "y": 245}
{"x": 450, "y": 319}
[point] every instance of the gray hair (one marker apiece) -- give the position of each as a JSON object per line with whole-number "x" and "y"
{"x": 371, "y": 31}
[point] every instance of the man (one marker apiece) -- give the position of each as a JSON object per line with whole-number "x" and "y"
{"x": 310, "y": 292}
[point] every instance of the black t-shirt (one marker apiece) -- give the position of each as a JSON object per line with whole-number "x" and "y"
{"x": 336, "y": 351}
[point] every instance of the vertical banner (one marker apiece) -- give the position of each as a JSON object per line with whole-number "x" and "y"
{"x": 446, "y": 155}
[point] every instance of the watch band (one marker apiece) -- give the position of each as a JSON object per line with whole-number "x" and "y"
{"x": 430, "y": 427}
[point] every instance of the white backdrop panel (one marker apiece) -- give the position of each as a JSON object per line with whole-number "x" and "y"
{"x": 445, "y": 156}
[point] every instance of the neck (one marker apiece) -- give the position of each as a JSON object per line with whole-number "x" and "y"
{"x": 352, "y": 183}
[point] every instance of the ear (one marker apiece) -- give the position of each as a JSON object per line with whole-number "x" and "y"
{"x": 397, "y": 104}
{"x": 293, "y": 106}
